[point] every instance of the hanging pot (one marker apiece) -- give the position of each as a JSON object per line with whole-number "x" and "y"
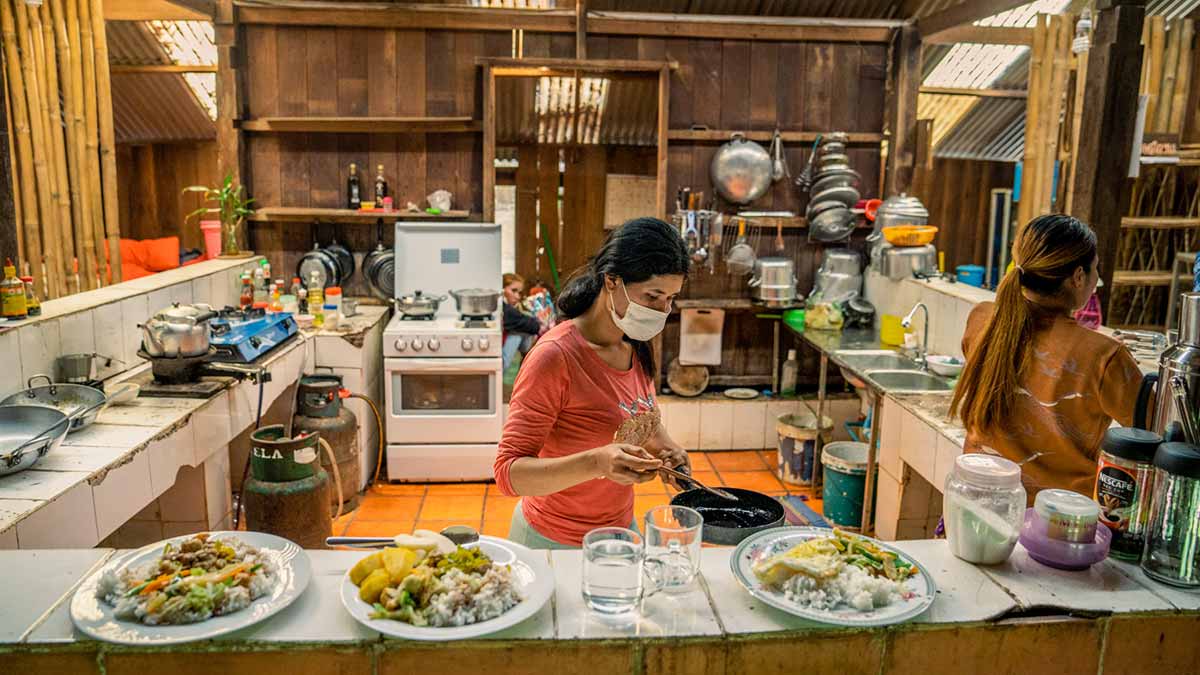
{"x": 323, "y": 264}
{"x": 344, "y": 258}
{"x": 741, "y": 170}
{"x": 379, "y": 270}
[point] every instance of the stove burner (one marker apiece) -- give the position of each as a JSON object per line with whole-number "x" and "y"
{"x": 424, "y": 317}
{"x": 241, "y": 314}
{"x": 177, "y": 370}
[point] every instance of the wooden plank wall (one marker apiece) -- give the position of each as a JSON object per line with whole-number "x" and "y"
{"x": 150, "y": 180}
{"x": 298, "y": 71}
{"x": 957, "y": 193}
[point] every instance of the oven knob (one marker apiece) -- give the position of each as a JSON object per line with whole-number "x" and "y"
{"x": 416, "y": 345}
{"x": 467, "y": 345}
{"x": 401, "y": 345}
{"x": 484, "y": 344}
{"x": 434, "y": 344}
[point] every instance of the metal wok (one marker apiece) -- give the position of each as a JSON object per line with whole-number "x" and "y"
{"x": 79, "y": 402}
{"x": 28, "y": 433}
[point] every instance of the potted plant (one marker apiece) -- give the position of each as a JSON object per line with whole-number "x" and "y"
{"x": 231, "y": 206}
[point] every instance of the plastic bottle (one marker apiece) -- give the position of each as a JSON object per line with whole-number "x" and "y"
{"x": 260, "y": 287}
{"x": 247, "y": 296}
{"x": 333, "y": 296}
{"x": 330, "y": 316}
{"x": 791, "y": 373}
{"x": 276, "y": 302}
{"x": 31, "y": 299}
{"x": 12, "y": 294}
{"x": 316, "y": 294}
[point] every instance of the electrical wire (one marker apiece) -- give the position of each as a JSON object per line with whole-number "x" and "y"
{"x": 379, "y": 426}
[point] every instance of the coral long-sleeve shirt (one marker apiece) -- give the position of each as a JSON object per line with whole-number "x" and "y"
{"x": 567, "y": 400}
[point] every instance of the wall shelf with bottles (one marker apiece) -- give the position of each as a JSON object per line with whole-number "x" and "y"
{"x": 303, "y": 214}
{"x": 374, "y": 125}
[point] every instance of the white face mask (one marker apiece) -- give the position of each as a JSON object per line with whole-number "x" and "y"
{"x": 640, "y": 322}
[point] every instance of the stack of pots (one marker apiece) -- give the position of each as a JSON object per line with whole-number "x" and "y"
{"x": 834, "y": 191}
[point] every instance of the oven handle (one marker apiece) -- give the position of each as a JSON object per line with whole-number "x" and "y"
{"x": 436, "y": 365}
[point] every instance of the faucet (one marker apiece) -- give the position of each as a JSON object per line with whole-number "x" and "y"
{"x": 923, "y": 350}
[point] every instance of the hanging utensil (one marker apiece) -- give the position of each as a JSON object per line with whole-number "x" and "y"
{"x": 741, "y": 170}
{"x": 779, "y": 235}
{"x": 779, "y": 167}
{"x": 804, "y": 181}
{"x": 740, "y": 259}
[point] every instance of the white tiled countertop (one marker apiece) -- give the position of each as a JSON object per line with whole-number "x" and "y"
{"x": 716, "y": 605}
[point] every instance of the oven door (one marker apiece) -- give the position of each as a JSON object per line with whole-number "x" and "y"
{"x": 436, "y": 400}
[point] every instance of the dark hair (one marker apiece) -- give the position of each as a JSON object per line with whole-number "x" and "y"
{"x": 1046, "y": 253}
{"x": 638, "y": 250}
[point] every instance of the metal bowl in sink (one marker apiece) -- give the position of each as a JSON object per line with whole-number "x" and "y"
{"x": 908, "y": 380}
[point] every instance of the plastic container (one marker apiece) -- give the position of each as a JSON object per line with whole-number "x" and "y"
{"x": 333, "y": 296}
{"x": 212, "y": 238}
{"x": 798, "y": 439}
{"x": 909, "y": 235}
{"x": 1172, "y": 555}
{"x": 1041, "y": 544}
{"x": 891, "y": 330}
{"x": 331, "y": 316}
{"x": 982, "y": 505}
{"x": 845, "y": 481}
{"x": 1069, "y": 516}
{"x": 1124, "y": 481}
{"x": 971, "y": 275}
{"x": 795, "y": 319}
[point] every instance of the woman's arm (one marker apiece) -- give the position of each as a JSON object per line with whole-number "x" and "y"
{"x": 516, "y": 322}
{"x": 624, "y": 464}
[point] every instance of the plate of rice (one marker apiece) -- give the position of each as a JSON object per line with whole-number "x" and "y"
{"x": 193, "y": 587}
{"x": 433, "y": 590}
{"x": 833, "y": 577}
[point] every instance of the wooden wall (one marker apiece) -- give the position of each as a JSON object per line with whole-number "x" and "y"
{"x": 150, "y": 180}
{"x": 957, "y": 193}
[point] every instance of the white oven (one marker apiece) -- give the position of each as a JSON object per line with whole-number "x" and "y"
{"x": 444, "y": 400}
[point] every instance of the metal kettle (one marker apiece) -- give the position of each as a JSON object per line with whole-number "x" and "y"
{"x": 178, "y": 331}
{"x": 1181, "y": 360}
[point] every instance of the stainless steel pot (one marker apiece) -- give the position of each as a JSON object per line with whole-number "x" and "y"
{"x": 774, "y": 282}
{"x": 80, "y": 368}
{"x": 741, "y": 170}
{"x": 177, "y": 331}
{"x": 901, "y": 262}
{"x": 899, "y": 210}
{"x": 841, "y": 261}
{"x": 476, "y": 301}
{"x": 419, "y": 304}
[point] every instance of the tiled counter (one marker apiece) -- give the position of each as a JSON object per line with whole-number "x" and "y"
{"x": 1019, "y": 617}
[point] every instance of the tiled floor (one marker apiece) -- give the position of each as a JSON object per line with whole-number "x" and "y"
{"x": 390, "y": 509}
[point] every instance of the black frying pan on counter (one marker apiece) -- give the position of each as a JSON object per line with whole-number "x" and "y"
{"x": 728, "y": 522}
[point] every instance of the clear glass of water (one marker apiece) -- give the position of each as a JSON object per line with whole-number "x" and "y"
{"x": 673, "y": 539}
{"x": 616, "y": 573}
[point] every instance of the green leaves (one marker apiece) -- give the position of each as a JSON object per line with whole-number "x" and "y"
{"x": 228, "y": 202}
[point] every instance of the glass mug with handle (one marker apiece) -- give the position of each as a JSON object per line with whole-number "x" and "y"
{"x": 617, "y": 575}
{"x": 673, "y": 537}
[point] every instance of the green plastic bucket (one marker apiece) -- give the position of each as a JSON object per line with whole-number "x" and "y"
{"x": 845, "y": 465}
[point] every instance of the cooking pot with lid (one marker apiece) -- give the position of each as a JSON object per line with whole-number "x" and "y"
{"x": 419, "y": 304}
{"x": 774, "y": 282}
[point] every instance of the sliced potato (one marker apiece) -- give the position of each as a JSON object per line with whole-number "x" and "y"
{"x": 444, "y": 545}
{"x": 398, "y": 562}
{"x": 364, "y": 567}
{"x": 373, "y": 585}
{"x": 415, "y": 541}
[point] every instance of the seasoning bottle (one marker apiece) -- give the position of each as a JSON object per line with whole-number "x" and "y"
{"x": 33, "y": 305}
{"x": 333, "y": 297}
{"x": 318, "y": 315}
{"x": 381, "y": 186}
{"x": 1124, "y": 481}
{"x": 791, "y": 373}
{"x": 331, "y": 316}
{"x": 316, "y": 295}
{"x": 260, "y": 286}
{"x": 1069, "y": 516}
{"x": 297, "y": 290}
{"x": 276, "y": 302}
{"x": 12, "y": 294}
{"x": 247, "y": 297}
{"x": 353, "y": 189}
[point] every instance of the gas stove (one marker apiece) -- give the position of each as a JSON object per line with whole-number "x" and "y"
{"x": 241, "y": 336}
{"x": 444, "y": 336}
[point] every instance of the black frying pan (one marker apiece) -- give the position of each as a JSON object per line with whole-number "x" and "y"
{"x": 727, "y": 522}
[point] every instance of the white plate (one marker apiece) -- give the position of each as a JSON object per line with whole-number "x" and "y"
{"x": 769, "y": 542}
{"x": 95, "y": 618}
{"x": 531, "y": 575}
{"x": 741, "y": 393}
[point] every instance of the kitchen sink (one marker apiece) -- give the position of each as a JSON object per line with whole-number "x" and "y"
{"x": 907, "y": 380}
{"x": 868, "y": 361}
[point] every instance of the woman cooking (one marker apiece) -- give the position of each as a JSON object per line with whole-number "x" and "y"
{"x": 1037, "y": 387}
{"x": 583, "y": 423}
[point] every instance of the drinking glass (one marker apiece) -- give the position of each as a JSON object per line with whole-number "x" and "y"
{"x": 617, "y": 576}
{"x": 673, "y": 538}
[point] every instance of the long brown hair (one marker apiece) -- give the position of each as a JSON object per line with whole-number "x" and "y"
{"x": 1046, "y": 253}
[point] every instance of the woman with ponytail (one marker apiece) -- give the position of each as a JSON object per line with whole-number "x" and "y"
{"x": 1038, "y": 388}
{"x": 583, "y": 424}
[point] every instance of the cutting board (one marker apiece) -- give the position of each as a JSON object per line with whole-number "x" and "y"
{"x": 700, "y": 337}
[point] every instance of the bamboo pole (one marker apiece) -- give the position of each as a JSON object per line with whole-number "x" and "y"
{"x": 85, "y": 225}
{"x": 108, "y": 149}
{"x": 35, "y": 90}
{"x": 59, "y": 178}
{"x": 1154, "y": 82}
{"x": 1166, "y": 92}
{"x": 1061, "y": 67}
{"x": 1144, "y": 85}
{"x": 1045, "y": 111}
{"x": 1183, "y": 77}
{"x": 14, "y": 169}
{"x": 92, "y": 132}
{"x": 71, "y": 95}
{"x": 21, "y": 139}
{"x": 1025, "y": 208}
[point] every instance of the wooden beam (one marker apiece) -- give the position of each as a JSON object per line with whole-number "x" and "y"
{"x": 722, "y": 135}
{"x": 523, "y": 67}
{"x": 987, "y": 35}
{"x": 581, "y": 29}
{"x": 208, "y": 8}
{"x": 161, "y": 68}
{"x": 982, "y": 93}
{"x": 229, "y": 63}
{"x": 664, "y": 101}
{"x": 362, "y": 124}
{"x": 436, "y": 17}
{"x": 1101, "y": 187}
{"x": 904, "y": 83}
{"x": 489, "y": 144}
{"x": 963, "y": 13}
{"x": 151, "y": 10}
{"x": 726, "y": 27}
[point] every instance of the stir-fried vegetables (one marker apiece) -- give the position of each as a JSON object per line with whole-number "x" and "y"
{"x": 823, "y": 557}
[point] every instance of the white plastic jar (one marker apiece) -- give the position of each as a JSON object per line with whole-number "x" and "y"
{"x": 983, "y": 505}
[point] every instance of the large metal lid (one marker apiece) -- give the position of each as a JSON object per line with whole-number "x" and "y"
{"x": 904, "y": 206}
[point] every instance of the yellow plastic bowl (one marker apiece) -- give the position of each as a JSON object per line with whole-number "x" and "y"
{"x": 909, "y": 235}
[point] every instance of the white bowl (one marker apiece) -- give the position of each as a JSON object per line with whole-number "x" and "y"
{"x": 946, "y": 366}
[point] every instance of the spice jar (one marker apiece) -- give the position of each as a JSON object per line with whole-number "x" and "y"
{"x": 982, "y": 506}
{"x": 1069, "y": 516}
{"x": 1124, "y": 479}
{"x": 1172, "y": 552}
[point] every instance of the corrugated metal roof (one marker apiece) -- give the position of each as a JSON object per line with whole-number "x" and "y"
{"x": 850, "y": 9}
{"x": 982, "y": 132}
{"x": 1171, "y": 9}
{"x": 614, "y": 111}
{"x": 156, "y": 107}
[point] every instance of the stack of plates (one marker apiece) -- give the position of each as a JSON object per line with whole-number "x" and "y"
{"x": 834, "y": 191}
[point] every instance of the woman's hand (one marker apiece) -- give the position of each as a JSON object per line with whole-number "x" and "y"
{"x": 625, "y": 464}
{"x": 675, "y": 457}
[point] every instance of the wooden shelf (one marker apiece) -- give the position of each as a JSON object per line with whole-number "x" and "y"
{"x": 1128, "y": 278}
{"x": 715, "y": 303}
{"x": 722, "y": 135}
{"x": 1160, "y": 222}
{"x": 373, "y": 125}
{"x": 301, "y": 214}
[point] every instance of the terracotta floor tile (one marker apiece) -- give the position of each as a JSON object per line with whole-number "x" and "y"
{"x": 700, "y": 461}
{"x": 493, "y": 489}
{"x": 643, "y": 504}
{"x": 654, "y": 487}
{"x": 439, "y": 525}
{"x": 441, "y": 489}
{"x": 769, "y": 457}
{"x": 737, "y": 460}
{"x": 399, "y": 489}
{"x": 500, "y": 508}
{"x": 379, "y": 528}
{"x": 374, "y": 507}
{"x": 759, "y": 481}
{"x": 445, "y": 507}
{"x": 340, "y": 525}
{"x": 496, "y": 527}
{"x": 708, "y": 477}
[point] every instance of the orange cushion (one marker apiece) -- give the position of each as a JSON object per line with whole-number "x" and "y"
{"x": 161, "y": 254}
{"x": 131, "y": 271}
